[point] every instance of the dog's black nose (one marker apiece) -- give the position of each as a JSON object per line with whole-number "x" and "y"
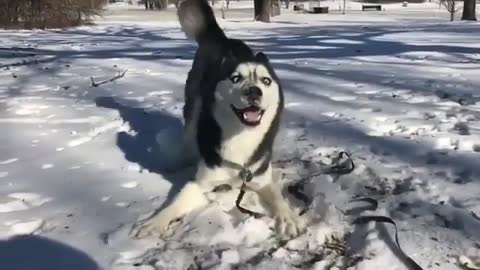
{"x": 253, "y": 94}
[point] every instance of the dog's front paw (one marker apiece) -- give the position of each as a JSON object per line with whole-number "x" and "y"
{"x": 287, "y": 223}
{"x": 155, "y": 226}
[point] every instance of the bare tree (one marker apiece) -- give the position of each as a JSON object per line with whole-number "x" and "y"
{"x": 47, "y": 13}
{"x": 223, "y": 9}
{"x": 451, "y": 6}
{"x": 262, "y": 10}
{"x": 469, "y": 10}
{"x": 157, "y": 4}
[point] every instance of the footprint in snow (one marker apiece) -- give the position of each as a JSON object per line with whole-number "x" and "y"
{"x": 462, "y": 128}
{"x": 22, "y": 201}
{"x": 8, "y": 161}
{"x": 47, "y": 166}
{"x": 160, "y": 93}
{"x": 130, "y": 185}
{"x": 343, "y": 98}
{"x": 28, "y": 227}
{"x": 446, "y": 143}
{"x": 123, "y": 204}
{"x": 292, "y": 104}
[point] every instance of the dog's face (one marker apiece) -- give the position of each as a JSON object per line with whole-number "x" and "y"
{"x": 249, "y": 92}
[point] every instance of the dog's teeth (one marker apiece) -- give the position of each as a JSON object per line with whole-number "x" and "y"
{"x": 248, "y": 117}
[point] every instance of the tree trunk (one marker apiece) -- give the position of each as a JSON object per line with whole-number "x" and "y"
{"x": 452, "y": 10}
{"x": 262, "y": 10}
{"x": 275, "y": 8}
{"x": 469, "y": 10}
{"x": 223, "y": 9}
{"x": 162, "y": 4}
{"x": 150, "y": 4}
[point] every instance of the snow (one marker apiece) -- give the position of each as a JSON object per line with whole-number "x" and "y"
{"x": 397, "y": 89}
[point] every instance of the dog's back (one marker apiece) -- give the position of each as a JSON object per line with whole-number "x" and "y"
{"x": 198, "y": 21}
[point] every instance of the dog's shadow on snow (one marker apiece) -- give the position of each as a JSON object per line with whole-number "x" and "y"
{"x": 28, "y": 252}
{"x": 153, "y": 141}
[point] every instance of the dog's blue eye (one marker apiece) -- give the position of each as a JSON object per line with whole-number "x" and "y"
{"x": 266, "y": 81}
{"x": 236, "y": 78}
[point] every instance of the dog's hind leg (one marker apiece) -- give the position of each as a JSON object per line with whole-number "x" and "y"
{"x": 191, "y": 197}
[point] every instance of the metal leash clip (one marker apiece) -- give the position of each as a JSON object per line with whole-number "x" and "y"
{"x": 246, "y": 176}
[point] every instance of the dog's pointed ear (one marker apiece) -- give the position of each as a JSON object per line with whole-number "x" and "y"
{"x": 229, "y": 57}
{"x": 262, "y": 58}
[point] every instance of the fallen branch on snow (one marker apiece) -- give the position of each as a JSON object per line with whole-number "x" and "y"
{"x": 96, "y": 84}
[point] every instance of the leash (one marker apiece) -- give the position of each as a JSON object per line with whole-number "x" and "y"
{"x": 296, "y": 189}
{"x": 342, "y": 164}
{"x": 246, "y": 176}
{"x": 383, "y": 219}
{"x": 337, "y": 168}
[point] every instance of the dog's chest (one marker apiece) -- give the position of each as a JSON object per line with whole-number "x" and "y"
{"x": 240, "y": 147}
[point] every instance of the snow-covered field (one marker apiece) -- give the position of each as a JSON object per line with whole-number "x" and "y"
{"x": 80, "y": 164}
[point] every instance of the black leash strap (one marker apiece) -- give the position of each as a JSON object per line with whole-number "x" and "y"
{"x": 233, "y": 165}
{"x": 372, "y": 205}
{"x": 297, "y": 189}
{"x": 383, "y": 219}
{"x": 342, "y": 164}
{"x": 239, "y": 200}
{"x": 337, "y": 168}
{"x": 246, "y": 176}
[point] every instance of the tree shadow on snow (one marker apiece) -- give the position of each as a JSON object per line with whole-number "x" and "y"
{"x": 29, "y": 252}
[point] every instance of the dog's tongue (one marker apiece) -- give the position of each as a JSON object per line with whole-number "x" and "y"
{"x": 251, "y": 116}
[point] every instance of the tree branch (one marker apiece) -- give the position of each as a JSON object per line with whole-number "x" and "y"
{"x": 96, "y": 84}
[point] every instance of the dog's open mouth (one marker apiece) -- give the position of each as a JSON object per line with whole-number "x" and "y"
{"x": 250, "y": 116}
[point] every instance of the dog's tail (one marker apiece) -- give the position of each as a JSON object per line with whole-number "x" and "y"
{"x": 198, "y": 21}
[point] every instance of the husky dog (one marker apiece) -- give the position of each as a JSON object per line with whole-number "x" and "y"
{"x": 233, "y": 104}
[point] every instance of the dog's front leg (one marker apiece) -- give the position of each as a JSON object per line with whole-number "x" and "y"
{"x": 190, "y": 198}
{"x": 286, "y": 221}
{"x": 189, "y": 145}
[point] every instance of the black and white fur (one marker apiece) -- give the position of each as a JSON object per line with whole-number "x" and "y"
{"x": 228, "y": 89}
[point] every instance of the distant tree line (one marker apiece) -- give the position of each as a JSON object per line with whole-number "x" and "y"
{"x": 155, "y": 4}
{"x": 47, "y": 13}
{"x": 158, "y": 4}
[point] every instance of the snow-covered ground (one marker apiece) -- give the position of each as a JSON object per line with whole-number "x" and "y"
{"x": 80, "y": 164}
